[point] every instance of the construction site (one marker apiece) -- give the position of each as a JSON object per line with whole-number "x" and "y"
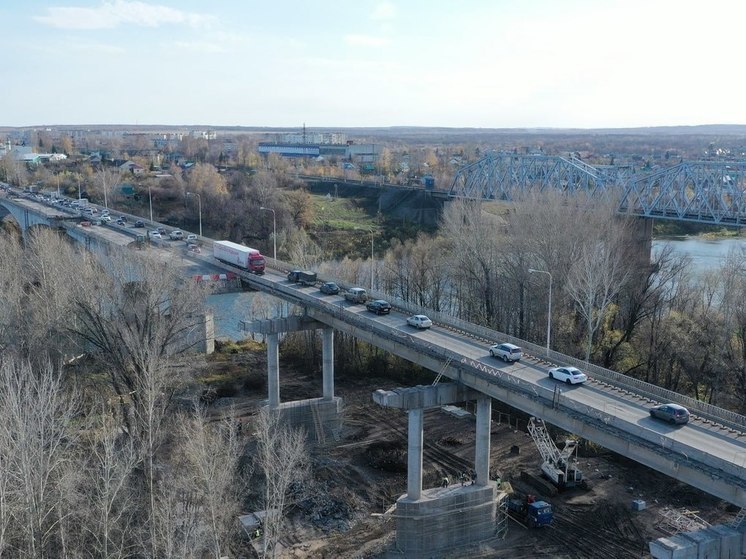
{"x": 548, "y": 494}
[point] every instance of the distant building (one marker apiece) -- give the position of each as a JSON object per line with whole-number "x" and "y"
{"x": 314, "y": 138}
{"x": 288, "y": 150}
{"x": 204, "y": 134}
{"x": 131, "y": 167}
{"x": 364, "y": 153}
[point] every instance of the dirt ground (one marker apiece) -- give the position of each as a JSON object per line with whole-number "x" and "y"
{"x": 359, "y": 478}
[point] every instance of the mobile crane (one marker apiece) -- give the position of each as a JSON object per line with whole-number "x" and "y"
{"x": 558, "y": 465}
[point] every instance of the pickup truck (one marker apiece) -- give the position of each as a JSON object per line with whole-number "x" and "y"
{"x": 356, "y": 295}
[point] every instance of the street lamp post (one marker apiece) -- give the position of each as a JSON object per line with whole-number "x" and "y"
{"x": 549, "y": 312}
{"x": 103, "y": 178}
{"x": 150, "y": 200}
{"x": 274, "y": 231}
{"x": 199, "y": 206}
{"x": 371, "y": 259}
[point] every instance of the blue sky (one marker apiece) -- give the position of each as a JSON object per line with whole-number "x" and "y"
{"x": 472, "y": 63}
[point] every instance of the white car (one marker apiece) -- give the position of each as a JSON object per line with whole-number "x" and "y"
{"x": 506, "y": 352}
{"x": 571, "y": 375}
{"x": 191, "y": 238}
{"x": 155, "y": 235}
{"x": 419, "y": 321}
{"x": 105, "y": 218}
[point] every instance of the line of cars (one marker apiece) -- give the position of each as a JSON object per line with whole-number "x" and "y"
{"x": 510, "y": 353}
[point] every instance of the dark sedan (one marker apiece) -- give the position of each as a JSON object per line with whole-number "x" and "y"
{"x": 329, "y": 288}
{"x": 378, "y": 306}
{"x": 673, "y": 413}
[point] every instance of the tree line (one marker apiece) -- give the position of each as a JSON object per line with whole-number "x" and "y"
{"x": 613, "y": 304}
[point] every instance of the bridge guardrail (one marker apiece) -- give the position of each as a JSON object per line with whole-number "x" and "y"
{"x": 682, "y": 453}
{"x": 618, "y": 380}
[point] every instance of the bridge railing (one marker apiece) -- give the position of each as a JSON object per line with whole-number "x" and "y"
{"x": 612, "y": 378}
{"x": 615, "y": 379}
{"x": 603, "y": 418}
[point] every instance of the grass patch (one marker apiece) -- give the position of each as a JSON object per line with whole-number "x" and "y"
{"x": 340, "y": 214}
{"x": 229, "y": 347}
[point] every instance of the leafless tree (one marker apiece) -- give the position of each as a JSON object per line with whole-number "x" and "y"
{"x": 211, "y": 452}
{"x": 36, "y": 435}
{"x": 140, "y": 316}
{"x": 108, "y": 500}
{"x": 598, "y": 274}
{"x": 283, "y": 458}
{"x": 475, "y": 239}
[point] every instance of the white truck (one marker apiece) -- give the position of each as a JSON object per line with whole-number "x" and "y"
{"x": 248, "y": 258}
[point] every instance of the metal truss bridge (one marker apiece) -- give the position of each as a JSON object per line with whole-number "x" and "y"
{"x": 698, "y": 191}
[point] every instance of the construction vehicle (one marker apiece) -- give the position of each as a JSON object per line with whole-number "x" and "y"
{"x": 530, "y": 512}
{"x": 559, "y": 466}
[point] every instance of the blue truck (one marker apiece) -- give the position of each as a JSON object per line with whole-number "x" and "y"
{"x": 530, "y": 512}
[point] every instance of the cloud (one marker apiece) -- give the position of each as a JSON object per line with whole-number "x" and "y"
{"x": 384, "y": 10}
{"x": 366, "y": 40}
{"x": 114, "y": 13}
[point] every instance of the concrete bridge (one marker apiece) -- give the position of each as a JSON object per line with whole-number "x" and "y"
{"x": 610, "y": 410}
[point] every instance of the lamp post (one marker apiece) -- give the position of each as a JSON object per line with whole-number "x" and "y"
{"x": 199, "y": 206}
{"x": 549, "y": 312}
{"x": 371, "y": 259}
{"x": 103, "y": 178}
{"x": 150, "y": 200}
{"x": 274, "y": 231}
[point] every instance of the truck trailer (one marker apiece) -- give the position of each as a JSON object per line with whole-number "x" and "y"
{"x": 244, "y": 257}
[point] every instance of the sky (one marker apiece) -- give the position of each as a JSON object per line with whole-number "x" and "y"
{"x": 361, "y": 63}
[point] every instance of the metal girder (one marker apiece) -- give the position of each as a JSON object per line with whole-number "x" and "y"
{"x": 502, "y": 176}
{"x": 698, "y": 191}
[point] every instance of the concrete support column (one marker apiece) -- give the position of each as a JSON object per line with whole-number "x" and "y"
{"x": 482, "y": 454}
{"x": 414, "y": 454}
{"x": 273, "y": 371}
{"x": 327, "y": 361}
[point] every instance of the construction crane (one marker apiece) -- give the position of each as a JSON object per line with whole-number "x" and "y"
{"x": 558, "y": 466}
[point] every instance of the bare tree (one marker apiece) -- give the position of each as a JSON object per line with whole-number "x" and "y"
{"x": 283, "y": 458}
{"x": 598, "y": 274}
{"x": 12, "y": 285}
{"x": 211, "y": 453}
{"x": 36, "y": 434}
{"x": 475, "y": 240}
{"x": 110, "y": 504}
{"x": 140, "y": 316}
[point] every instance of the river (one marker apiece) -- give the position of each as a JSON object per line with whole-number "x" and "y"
{"x": 705, "y": 254}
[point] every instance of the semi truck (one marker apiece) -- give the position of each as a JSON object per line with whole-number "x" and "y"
{"x": 244, "y": 257}
{"x": 303, "y": 277}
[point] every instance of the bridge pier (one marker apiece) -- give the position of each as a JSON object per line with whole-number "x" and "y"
{"x": 429, "y": 523}
{"x": 319, "y": 416}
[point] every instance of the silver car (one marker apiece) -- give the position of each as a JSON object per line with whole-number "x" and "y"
{"x": 570, "y": 375}
{"x": 419, "y": 321}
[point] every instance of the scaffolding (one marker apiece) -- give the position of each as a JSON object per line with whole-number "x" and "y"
{"x": 674, "y": 521}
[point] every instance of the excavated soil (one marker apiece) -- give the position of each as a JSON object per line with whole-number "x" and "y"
{"x": 358, "y": 479}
